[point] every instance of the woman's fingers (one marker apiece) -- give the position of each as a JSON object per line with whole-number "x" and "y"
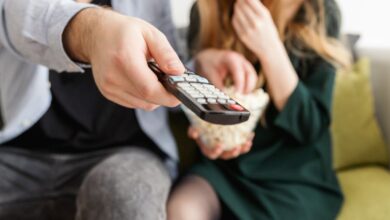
{"x": 193, "y": 133}
{"x": 210, "y": 152}
{"x": 235, "y": 67}
{"x": 217, "y": 78}
{"x": 256, "y": 6}
{"x": 250, "y": 77}
{"x": 217, "y": 151}
{"x": 246, "y": 147}
{"x": 239, "y": 20}
{"x": 247, "y": 13}
{"x": 227, "y": 155}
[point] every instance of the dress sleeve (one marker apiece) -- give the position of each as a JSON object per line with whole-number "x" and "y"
{"x": 307, "y": 113}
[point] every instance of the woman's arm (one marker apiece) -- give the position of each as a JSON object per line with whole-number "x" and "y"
{"x": 256, "y": 29}
{"x": 303, "y": 104}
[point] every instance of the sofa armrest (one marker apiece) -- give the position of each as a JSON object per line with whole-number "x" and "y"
{"x": 380, "y": 66}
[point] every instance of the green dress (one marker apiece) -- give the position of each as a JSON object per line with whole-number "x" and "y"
{"x": 288, "y": 173}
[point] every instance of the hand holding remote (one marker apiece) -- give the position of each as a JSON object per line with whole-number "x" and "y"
{"x": 118, "y": 48}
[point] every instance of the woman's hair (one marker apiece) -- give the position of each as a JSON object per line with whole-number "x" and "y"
{"x": 306, "y": 34}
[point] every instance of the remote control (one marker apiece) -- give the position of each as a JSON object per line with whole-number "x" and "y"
{"x": 202, "y": 98}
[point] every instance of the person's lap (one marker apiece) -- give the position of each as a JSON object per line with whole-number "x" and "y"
{"x": 107, "y": 184}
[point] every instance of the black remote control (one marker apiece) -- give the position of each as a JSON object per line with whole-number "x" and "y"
{"x": 201, "y": 97}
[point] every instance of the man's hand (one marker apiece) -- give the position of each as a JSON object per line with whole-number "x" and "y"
{"x": 217, "y": 65}
{"x": 118, "y": 48}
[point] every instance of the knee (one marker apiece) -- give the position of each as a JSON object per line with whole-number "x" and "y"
{"x": 128, "y": 183}
{"x": 193, "y": 200}
{"x": 183, "y": 208}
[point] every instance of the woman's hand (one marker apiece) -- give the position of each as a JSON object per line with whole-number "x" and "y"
{"x": 217, "y": 151}
{"x": 256, "y": 29}
{"x": 254, "y": 26}
{"x": 217, "y": 65}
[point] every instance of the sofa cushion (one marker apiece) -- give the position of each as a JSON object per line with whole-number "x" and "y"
{"x": 367, "y": 193}
{"x": 357, "y": 139}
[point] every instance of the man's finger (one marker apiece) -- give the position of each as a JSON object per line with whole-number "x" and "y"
{"x": 145, "y": 85}
{"x": 161, "y": 50}
{"x": 127, "y": 100}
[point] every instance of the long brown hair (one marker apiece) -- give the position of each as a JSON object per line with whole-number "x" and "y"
{"x": 303, "y": 35}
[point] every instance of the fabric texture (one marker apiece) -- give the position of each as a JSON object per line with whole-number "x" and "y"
{"x": 367, "y": 193}
{"x": 116, "y": 184}
{"x": 357, "y": 139}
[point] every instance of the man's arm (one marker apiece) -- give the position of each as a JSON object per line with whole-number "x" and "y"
{"x": 118, "y": 47}
{"x": 33, "y": 29}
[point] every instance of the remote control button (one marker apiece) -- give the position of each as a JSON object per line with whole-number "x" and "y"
{"x": 183, "y": 85}
{"x": 231, "y": 102}
{"x": 222, "y": 101}
{"x": 211, "y": 96}
{"x": 208, "y": 86}
{"x": 236, "y": 107}
{"x": 197, "y": 85}
{"x": 202, "y": 79}
{"x": 202, "y": 101}
{"x": 175, "y": 79}
{"x": 191, "y": 79}
{"x": 191, "y": 91}
{"x": 189, "y": 88}
{"x": 196, "y": 95}
{"x": 212, "y": 101}
{"x": 213, "y": 90}
{"x": 223, "y": 96}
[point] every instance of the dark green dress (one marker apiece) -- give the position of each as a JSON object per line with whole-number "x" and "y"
{"x": 288, "y": 173}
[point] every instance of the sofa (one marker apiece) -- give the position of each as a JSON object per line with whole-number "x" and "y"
{"x": 366, "y": 187}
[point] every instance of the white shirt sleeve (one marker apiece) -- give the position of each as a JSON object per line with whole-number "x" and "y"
{"x": 33, "y": 29}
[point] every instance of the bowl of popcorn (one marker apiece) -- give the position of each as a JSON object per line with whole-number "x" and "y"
{"x": 231, "y": 136}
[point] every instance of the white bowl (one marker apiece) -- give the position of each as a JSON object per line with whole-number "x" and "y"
{"x": 231, "y": 136}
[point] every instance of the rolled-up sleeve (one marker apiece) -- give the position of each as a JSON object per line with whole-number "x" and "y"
{"x": 33, "y": 29}
{"x": 307, "y": 113}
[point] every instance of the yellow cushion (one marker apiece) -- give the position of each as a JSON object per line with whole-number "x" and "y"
{"x": 367, "y": 193}
{"x": 357, "y": 139}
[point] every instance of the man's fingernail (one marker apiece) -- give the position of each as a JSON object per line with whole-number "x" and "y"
{"x": 174, "y": 65}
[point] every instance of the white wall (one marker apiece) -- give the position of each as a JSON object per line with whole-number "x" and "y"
{"x": 370, "y": 18}
{"x": 181, "y": 9}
